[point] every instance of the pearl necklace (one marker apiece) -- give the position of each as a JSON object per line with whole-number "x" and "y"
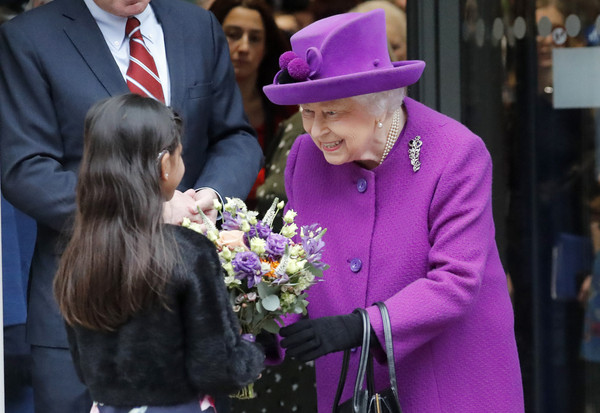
{"x": 392, "y": 135}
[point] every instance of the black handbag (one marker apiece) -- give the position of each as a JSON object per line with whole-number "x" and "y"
{"x": 366, "y": 400}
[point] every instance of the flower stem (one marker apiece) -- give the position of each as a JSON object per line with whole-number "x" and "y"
{"x": 247, "y": 392}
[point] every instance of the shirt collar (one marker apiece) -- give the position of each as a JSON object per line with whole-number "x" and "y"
{"x": 113, "y": 27}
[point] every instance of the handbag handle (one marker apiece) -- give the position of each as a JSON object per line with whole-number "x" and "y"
{"x": 364, "y": 359}
{"x": 389, "y": 349}
{"x": 362, "y": 366}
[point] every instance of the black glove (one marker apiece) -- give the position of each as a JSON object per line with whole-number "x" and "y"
{"x": 310, "y": 339}
{"x": 268, "y": 342}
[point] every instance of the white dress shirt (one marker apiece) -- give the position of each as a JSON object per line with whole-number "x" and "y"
{"x": 113, "y": 30}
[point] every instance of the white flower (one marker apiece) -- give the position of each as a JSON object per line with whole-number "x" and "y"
{"x": 289, "y": 231}
{"x": 296, "y": 250}
{"x": 230, "y": 206}
{"x": 231, "y": 281}
{"x": 216, "y": 204}
{"x": 257, "y": 245}
{"x": 280, "y": 205}
{"x": 245, "y": 226}
{"x": 265, "y": 267}
{"x": 226, "y": 254}
{"x": 288, "y": 299}
{"x": 292, "y": 267}
{"x": 289, "y": 216}
{"x": 212, "y": 235}
{"x": 303, "y": 284}
{"x": 228, "y": 267}
{"x": 308, "y": 276}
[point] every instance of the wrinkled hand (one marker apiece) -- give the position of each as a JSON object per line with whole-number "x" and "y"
{"x": 310, "y": 339}
{"x": 183, "y": 204}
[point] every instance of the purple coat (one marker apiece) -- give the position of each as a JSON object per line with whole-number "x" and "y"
{"x": 424, "y": 243}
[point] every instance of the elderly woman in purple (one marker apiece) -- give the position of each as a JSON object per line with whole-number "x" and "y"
{"x": 405, "y": 193}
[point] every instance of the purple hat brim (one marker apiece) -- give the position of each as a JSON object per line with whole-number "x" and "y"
{"x": 404, "y": 73}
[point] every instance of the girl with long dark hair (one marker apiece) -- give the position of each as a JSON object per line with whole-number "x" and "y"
{"x": 148, "y": 317}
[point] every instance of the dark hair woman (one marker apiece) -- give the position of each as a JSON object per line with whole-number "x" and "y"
{"x": 148, "y": 317}
{"x": 255, "y": 44}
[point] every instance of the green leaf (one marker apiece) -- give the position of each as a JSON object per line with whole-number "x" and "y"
{"x": 271, "y": 326}
{"x": 271, "y": 302}
{"x": 259, "y": 307}
{"x": 264, "y": 290}
{"x": 314, "y": 270}
{"x": 300, "y": 307}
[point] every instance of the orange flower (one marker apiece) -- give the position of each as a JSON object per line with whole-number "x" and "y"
{"x": 273, "y": 264}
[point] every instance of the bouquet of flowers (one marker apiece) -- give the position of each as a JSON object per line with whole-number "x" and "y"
{"x": 266, "y": 273}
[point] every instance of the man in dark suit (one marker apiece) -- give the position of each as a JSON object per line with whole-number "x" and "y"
{"x": 55, "y": 62}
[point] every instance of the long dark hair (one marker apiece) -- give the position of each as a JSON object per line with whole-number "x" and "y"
{"x": 119, "y": 257}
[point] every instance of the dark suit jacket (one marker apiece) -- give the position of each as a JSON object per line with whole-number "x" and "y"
{"x": 54, "y": 64}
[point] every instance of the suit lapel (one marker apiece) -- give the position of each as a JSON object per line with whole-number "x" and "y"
{"x": 175, "y": 49}
{"x": 87, "y": 38}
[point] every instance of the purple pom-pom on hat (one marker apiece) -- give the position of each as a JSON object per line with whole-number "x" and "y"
{"x": 298, "y": 69}
{"x": 286, "y": 58}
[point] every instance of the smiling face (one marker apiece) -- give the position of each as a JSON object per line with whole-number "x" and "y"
{"x": 123, "y": 8}
{"x": 344, "y": 131}
{"x": 245, "y": 33}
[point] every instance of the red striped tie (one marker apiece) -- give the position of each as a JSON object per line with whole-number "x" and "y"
{"x": 142, "y": 76}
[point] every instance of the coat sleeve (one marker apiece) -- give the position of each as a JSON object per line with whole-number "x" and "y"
{"x": 219, "y": 361}
{"x": 74, "y": 350}
{"x": 234, "y": 155}
{"x": 461, "y": 236}
{"x": 33, "y": 177}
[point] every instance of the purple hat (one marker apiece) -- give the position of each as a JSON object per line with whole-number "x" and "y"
{"x": 338, "y": 57}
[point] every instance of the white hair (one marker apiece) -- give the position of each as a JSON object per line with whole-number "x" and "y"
{"x": 379, "y": 103}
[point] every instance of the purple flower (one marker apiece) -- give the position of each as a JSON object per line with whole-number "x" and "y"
{"x": 313, "y": 246}
{"x": 261, "y": 230}
{"x": 281, "y": 280}
{"x": 230, "y": 223}
{"x": 247, "y": 265}
{"x": 276, "y": 246}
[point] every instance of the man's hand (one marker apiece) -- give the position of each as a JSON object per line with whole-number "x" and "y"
{"x": 204, "y": 200}
{"x": 183, "y": 204}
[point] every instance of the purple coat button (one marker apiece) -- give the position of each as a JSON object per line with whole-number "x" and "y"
{"x": 355, "y": 265}
{"x": 361, "y": 185}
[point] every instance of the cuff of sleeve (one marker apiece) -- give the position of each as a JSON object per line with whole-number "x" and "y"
{"x": 377, "y": 336}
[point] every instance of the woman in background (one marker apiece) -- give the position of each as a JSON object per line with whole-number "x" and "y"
{"x": 255, "y": 44}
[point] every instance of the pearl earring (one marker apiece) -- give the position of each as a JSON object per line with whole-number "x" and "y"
{"x": 166, "y": 175}
{"x": 379, "y": 124}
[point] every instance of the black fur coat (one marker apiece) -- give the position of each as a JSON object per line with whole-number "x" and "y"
{"x": 162, "y": 357}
